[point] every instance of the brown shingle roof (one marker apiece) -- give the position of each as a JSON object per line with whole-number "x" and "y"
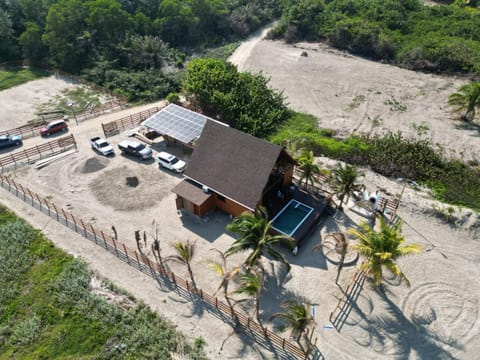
{"x": 232, "y": 163}
{"x": 191, "y": 192}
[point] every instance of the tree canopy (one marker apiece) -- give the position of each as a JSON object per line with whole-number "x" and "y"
{"x": 440, "y": 38}
{"x": 242, "y": 100}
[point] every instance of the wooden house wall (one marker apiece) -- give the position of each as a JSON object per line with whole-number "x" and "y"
{"x": 230, "y": 206}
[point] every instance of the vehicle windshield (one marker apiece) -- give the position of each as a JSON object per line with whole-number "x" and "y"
{"x": 174, "y": 161}
{"x": 140, "y": 147}
{"x": 102, "y": 144}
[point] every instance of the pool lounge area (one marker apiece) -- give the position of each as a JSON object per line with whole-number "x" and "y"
{"x": 298, "y": 215}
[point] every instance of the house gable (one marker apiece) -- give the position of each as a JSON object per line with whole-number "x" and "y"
{"x": 232, "y": 163}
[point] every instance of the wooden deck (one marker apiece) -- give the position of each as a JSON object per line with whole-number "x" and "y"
{"x": 319, "y": 203}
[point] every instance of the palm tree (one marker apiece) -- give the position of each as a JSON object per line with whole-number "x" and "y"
{"x": 343, "y": 182}
{"x": 297, "y": 316}
{"x": 251, "y": 284}
{"x": 184, "y": 255}
{"x": 226, "y": 274}
{"x": 466, "y": 99}
{"x": 340, "y": 247}
{"x": 382, "y": 248}
{"x": 254, "y": 233}
{"x": 308, "y": 168}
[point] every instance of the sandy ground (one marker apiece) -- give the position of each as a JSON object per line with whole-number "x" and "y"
{"x": 20, "y": 103}
{"x": 351, "y": 94}
{"x": 436, "y": 318}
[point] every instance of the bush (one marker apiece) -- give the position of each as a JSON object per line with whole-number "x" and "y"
{"x": 391, "y": 155}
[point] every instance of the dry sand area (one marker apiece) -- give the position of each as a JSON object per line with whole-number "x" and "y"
{"x": 20, "y": 103}
{"x": 351, "y": 94}
{"x": 436, "y": 318}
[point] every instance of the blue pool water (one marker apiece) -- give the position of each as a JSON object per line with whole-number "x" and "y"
{"x": 289, "y": 219}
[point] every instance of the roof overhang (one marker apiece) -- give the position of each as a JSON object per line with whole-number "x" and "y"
{"x": 191, "y": 192}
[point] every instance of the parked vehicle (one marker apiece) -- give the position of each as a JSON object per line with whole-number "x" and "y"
{"x": 134, "y": 148}
{"x": 10, "y": 140}
{"x": 101, "y": 145}
{"x": 53, "y": 127}
{"x": 171, "y": 162}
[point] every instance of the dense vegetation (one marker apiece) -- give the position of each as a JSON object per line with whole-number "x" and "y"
{"x": 442, "y": 38}
{"x": 48, "y": 312}
{"x": 391, "y": 155}
{"x": 135, "y": 47}
{"x": 242, "y": 100}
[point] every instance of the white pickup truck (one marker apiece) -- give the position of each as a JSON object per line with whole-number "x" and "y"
{"x": 101, "y": 145}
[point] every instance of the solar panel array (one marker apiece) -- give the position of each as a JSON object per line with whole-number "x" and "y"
{"x": 178, "y": 123}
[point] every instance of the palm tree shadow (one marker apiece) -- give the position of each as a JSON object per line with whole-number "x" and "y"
{"x": 407, "y": 335}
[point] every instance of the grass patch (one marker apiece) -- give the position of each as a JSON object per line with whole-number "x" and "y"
{"x": 14, "y": 76}
{"x": 221, "y": 52}
{"x": 47, "y": 310}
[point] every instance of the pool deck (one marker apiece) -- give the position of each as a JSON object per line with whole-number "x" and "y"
{"x": 317, "y": 202}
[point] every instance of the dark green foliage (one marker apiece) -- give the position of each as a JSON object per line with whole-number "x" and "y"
{"x": 135, "y": 39}
{"x": 434, "y": 38}
{"x": 47, "y": 310}
{"x": 242, "y": 100}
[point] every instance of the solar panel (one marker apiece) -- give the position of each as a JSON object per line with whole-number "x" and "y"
{"x": 178, "y": 123}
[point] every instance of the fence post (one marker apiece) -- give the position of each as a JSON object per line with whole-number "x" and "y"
{"x": 104, "y": 240}
{"x": 30, "y": 194}
{"x": 84, "y": 228}
{"x": 126, "y": 253}
{"x": 65, "y": 217}
{"x": 151, "y": 270}
{"x": 283, "y": 343}
{"x": 94, "y": 233}
{"x": 74, "y": 223}
{"x": 56, "y": 211}
{"x": 115, "y": 245}
{"x": 138, "y": 261}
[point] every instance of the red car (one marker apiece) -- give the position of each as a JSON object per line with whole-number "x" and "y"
{"x": 53, "y": 127}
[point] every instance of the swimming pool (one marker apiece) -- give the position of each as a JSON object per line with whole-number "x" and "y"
{"x": 289, "y": 219}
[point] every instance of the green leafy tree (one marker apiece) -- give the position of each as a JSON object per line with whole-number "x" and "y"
{"x": 176, "y": 22}
{"x": 382, "y": 248}
{"x": 207, "y": 79}
{"x": 254, "y": 234}
{"x": 309, "y": 170}
{"x": 466, "y": 99}
{"x": 344, "y": 182}
{"x": 106, "y": 22}
{"x": 242, "y": 100}
{"x": 66, "y": 36}
{"x": 8, "y": 47}
{"x": 31, "y": 42}
{"x": 251, "y": 284}
{"x": 184, "y": 255}
{"x": 297, "y": 316}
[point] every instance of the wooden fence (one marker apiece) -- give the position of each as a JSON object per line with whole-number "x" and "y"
{"x": 29, "y": 155}
{"x": 344, "y": 304}
{"x": 28, "y": 131}
{"x": 127, "y": 122}
{"x": 283, "y": 348}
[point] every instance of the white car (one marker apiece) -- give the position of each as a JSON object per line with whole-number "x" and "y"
{"x": 171, "y": 162}
{"x": 101, "y": 145}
